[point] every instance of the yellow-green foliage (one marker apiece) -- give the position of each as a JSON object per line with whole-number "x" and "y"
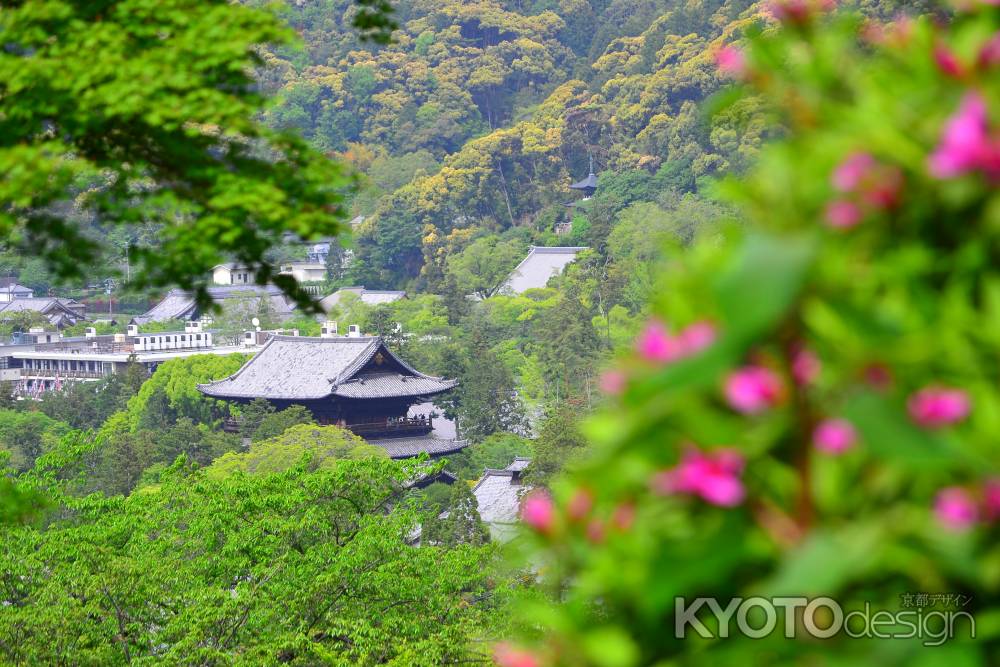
{"x": 321, "y": 446}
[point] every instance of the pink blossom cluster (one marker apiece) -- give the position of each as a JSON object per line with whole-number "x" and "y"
{"x": 657, "y": 345}
{"x": 732, "y": 62}
{"x": 798, "y": 12}
{"x": 834, "y": 436}
{"x": 968, "y": 144}
{"x": 951, "y": 65}
{"x": 806, "y": 366}
{"x": 712, "y": 476}
{"x": 753, "y": 389}
{"x": 539, "y": 512}
{"x": 935, "y": 407}
{"x": 959, "y": 508}
{"x": 508, "y": 655}
{"x": 865, "y": 186}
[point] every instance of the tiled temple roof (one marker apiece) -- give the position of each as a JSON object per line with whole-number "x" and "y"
{"x": 301, "y": 368}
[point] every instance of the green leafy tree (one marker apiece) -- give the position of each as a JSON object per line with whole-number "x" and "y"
{"x": 252, "y": 414}
{"x": 274, "y": 424}
{"x": 486, "y": 400}
{"x": 495, "y": 451}
{"x": 454, "y": 518}
{"x": 558, "y": 445}
{"x": 483, "y": 267}
{"x": 159, "y": 124}
{"x": 28, "y": 435}
{"x": 295, "y": 567}
{"x": 317, "y": 446}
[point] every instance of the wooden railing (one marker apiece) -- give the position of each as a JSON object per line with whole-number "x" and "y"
{"x": 393, "y": 426}
{"x": 385, "y": 426}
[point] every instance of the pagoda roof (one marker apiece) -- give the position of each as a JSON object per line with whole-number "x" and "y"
{"x": 588, "y": 183}
{"x": 300, "y": 368}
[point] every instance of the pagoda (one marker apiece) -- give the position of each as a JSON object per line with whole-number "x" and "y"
{"x": 588, "y": 185}
{"x": 352, "y": 381}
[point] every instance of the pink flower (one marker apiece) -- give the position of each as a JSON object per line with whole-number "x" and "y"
{"x": 613, "y": 382}
{"x": 965, "y": 144}
{"x": 624, "y": 516}
{"x": 657, "y": 345}
{"x": 805, "y": 366}
{"x": 506, "y": 655}
{"x": 991, "y": 499}
{"x": 835, "y": 436}
{"x": 713, "y": 476}
{"x": 697, "y": 337}
{"x": 731, "y": 61}
{"x": 595, "y": 531}
{"x": 538, "y": 511}
{"x": 843, "y": 214}
{"x": 850, "y": 173}
{"x": 580, "y": 504}
{"x": 753, "y": 389}
{"x": 934, "y": 407}
{"x": 798, "y": 11}
{"x": 947, "y": 61}
{"x": 989, "y": 55}
{"x": 955, "y": 508}
{"x": 884, "y": 188}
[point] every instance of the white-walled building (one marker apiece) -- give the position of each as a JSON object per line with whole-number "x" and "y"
{"x": 305, "y": 272}
{"x": 232, "y": 273}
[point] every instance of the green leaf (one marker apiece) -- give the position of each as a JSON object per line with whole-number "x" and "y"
{"x": 765, "y": 280}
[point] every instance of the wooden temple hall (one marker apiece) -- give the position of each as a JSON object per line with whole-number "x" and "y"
{"x": 350, "y": 381}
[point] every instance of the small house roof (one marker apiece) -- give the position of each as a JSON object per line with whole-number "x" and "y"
{"x": 230, "y": 266}
{"x": 541, "y": 264}
{"x": 306, "y": 368}
{"x": 498, "y": 493}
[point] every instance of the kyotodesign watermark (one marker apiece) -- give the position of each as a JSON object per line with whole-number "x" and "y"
{"x": 824, "y": 618}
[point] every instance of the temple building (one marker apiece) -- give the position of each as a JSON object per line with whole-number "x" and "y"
{"x": 352, "y": 381}
{"x": 588, "y": 187}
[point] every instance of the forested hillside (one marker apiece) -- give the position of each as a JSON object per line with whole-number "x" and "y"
{"x": 477, "y": 119}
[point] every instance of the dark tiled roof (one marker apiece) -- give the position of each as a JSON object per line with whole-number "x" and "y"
{"x": 391, "y": 384}
{"x": 304, "y": 368}
{"x": 518, "y": 464}
{"x": 404, "y": 448}
{"x": 589, "y": 182}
